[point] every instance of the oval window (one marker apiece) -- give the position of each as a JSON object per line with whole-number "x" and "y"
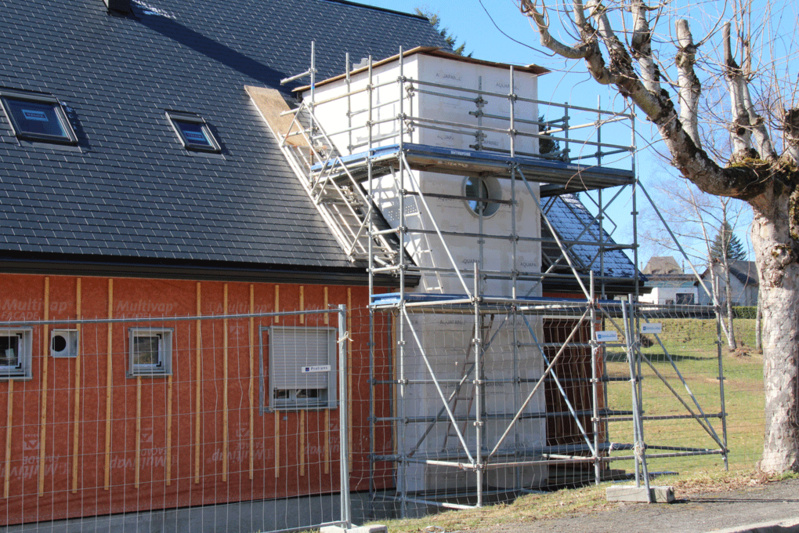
{"x": 479, "y": 193}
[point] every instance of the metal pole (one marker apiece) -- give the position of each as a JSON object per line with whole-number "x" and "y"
{"x": 638, "y": 430}
{"x": 595, "y": 383}
{"x": 344, "y": 418}
{"x": 478, "y": 389}
{"x": 514, "y": 237}
{"x": 370, "y": 253}
{"x": 721, "y": 391}
{"x": 349, "y": 103}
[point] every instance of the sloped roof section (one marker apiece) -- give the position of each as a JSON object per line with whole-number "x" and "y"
{"x": 746, "y": 272}
{"x": 662, "y": 265}
{"x": 130, "y": 189}
{"x": 573, "y": 222}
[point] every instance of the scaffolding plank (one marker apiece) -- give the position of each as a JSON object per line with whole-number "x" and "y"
{"x": 271, "y": 105}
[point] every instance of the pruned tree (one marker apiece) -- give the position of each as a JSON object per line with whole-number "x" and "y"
{"x": 616, "y": 40}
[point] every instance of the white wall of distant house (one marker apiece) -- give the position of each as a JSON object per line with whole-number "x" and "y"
{"x": 669, "y": 295}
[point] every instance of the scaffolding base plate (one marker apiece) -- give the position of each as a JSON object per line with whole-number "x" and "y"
{"x": 664, "y": 494}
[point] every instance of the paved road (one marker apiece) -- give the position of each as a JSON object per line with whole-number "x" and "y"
{"x": 696, "y": 513}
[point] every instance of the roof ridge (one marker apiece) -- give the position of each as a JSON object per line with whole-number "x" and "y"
{"x": 384, "y": 9}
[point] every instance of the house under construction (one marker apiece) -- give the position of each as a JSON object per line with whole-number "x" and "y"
{"x": 230, "y": 301}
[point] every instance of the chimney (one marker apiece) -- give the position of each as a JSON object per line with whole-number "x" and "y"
{"x": 120, "y": 6}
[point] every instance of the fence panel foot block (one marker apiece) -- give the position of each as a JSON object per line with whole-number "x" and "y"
{"x": 355, "y": 529}
{"x": 638, "y": 494}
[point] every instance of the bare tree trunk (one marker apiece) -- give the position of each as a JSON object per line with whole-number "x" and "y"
{"x": 758, "y": 326}
{"x": 779, "y": 299}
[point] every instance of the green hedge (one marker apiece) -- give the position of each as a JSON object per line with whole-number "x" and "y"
{"x": 745, "y": 311}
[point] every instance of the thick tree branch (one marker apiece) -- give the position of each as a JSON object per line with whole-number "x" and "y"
{"x": 790, "y": 124}
{"x": 743, "y": 182}
{"x": 688, "y": 82}
{"x": 740, "y": 129}
{"x": 540, "y": 18}
{"x": 641, "y": 45}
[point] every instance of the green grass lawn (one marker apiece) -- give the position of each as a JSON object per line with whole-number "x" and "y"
{"x": 692, "y": 346}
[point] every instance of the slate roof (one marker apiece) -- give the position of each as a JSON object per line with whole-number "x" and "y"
{"x": 570, "y": 218}
{"x": 130, "y": 190}
{"x": 661, "y": 266}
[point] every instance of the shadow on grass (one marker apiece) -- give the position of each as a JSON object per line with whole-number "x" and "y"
{"x": 617, "y": 357}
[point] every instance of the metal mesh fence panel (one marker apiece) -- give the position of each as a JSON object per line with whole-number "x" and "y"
{"x": 225, "y": 423}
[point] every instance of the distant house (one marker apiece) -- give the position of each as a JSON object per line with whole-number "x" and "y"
{"x": 743, "y": 279}
{"x": 667, "y": 283}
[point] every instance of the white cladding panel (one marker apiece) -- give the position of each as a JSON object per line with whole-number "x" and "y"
{"x": 458, "y": 113}
{"x": 493, "y": 80}
{"x": 446, "y": 339}
{"x": 447, "y": 345}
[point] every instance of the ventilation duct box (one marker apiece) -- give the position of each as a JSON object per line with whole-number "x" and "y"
{"x": 64, "y": 343}
{"x": 123, "y": 6}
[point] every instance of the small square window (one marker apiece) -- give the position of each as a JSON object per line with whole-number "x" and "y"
{"x": 37, "y": 117}
{"x": 150, "y": 352}
{"x": 301, "y": 368}
{"x": 193, "y": 132}
{"x": 15, "y": 353}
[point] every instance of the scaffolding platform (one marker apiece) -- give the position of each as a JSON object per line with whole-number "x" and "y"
{"x": 557, "y": 177}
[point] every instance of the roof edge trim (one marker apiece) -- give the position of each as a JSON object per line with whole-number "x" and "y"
{"x": 432, "y": 51}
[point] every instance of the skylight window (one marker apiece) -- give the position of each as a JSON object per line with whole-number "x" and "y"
{"x": 193, "y": 132}
{"x": 37, "y": 117}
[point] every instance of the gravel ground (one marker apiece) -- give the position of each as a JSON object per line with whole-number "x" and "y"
{"x": 699, "y": 512}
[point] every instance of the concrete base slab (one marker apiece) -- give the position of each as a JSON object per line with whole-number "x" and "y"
{"x": 355, "y": 529}
{"x": 638, "y": 494}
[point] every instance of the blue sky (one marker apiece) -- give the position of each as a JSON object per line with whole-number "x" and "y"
{"x": 496, "y": 31}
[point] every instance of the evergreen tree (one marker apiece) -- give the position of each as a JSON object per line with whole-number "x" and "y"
{"x": 727, "y": 240}
{"x": 546, "y": 145}
{"x": 435, "y": 20}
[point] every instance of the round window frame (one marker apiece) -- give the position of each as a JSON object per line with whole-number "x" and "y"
{"x": 493, "y": 196}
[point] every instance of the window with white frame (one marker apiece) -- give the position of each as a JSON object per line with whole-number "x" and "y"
{"x": 15, "y": 353}
{"x": 301, "y": 368}
{"x": 150, "y": 352}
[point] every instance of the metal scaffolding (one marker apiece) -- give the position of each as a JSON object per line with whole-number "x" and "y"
{"x": 345, "y": 172}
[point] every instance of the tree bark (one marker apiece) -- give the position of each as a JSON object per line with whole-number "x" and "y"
{"x": 779, "y": 297}
{"x": 758, "y": 324}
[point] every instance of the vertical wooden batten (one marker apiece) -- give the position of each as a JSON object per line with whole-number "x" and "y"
{"x": 252, "y": 381}
{"x": 9, "y": 426}
{"x": 277, "y": 303}
{"x": 327, "y": 441}
{"x": 198, "y": 386}
{"x": 76, "y": 421}
{"x": 326, "y": 317}
{"x": 302, "y": 303}
{"x": 302, "y": 443}
{"x": 225, "y": 386}
{"x": 137, "y": 458}
{"x": 277, "y": 444}
{"x": 109, "y": 383}
{"x": 169, "y": 430}
{"x": 349, "y": 371}
{"x": 45, "y": 381}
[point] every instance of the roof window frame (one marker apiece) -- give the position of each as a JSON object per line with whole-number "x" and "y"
{"x": 16, "y": 95}
{"x": 175, "y": 117}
